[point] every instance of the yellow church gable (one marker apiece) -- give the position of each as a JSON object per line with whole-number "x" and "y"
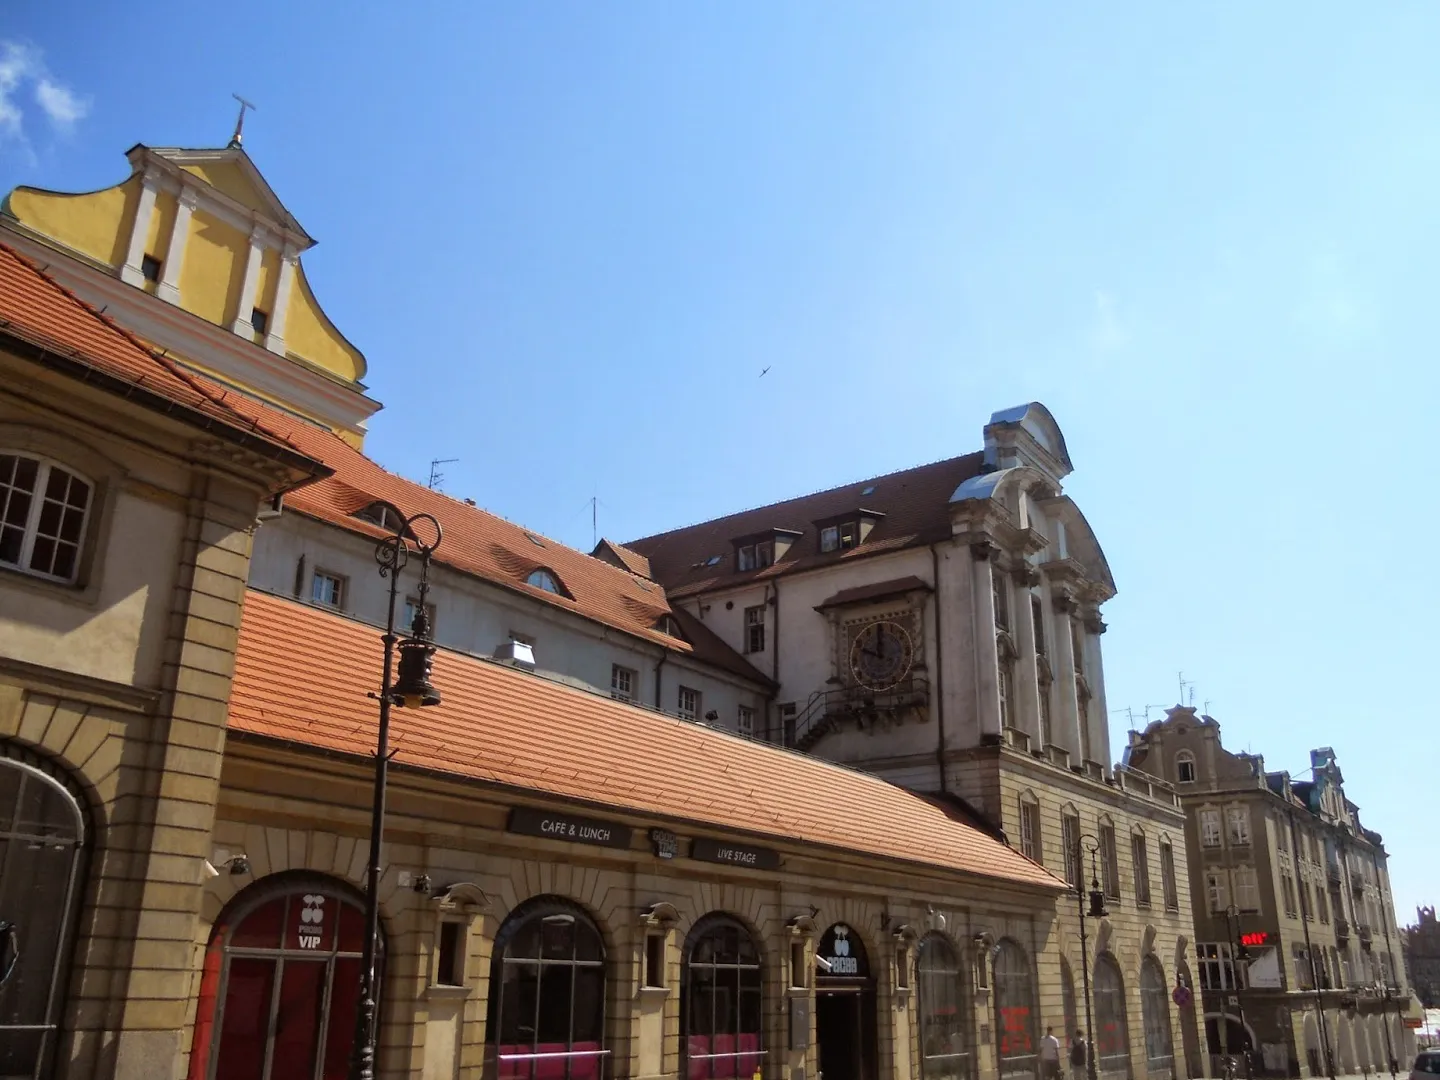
{"x": 202, "y": 232}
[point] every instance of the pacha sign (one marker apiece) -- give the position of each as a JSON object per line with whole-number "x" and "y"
{"x": 845, "y": 954}
{"x": 722, "y": 851}
{"x": 575, "y": 830}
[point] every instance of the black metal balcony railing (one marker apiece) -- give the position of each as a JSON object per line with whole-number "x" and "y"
{"x": 829, "y": 709}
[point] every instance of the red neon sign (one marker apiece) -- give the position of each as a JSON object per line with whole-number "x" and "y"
{"x": 1261, "y": 937}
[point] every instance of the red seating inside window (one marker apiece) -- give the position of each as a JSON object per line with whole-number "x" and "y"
{"x": 549, "y": 1061}
{"x": 741, "y": 1057}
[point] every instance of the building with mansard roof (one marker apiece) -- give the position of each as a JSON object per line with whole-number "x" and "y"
{"x": 1299, "y": 947}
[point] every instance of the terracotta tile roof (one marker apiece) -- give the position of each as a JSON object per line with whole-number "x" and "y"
{"x": 620, "y": 555}
{"x": 39, "y": 311}
{"x": 876, "y": 590}
{"x": 480, "y": 543}
{"x": 506, "y": 727}
{"x": 915, "y": 503}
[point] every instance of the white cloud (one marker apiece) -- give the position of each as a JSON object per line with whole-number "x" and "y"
{"x": 22, "y": 66}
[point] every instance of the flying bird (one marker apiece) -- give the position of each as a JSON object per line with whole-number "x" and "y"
{"x": 762, "y": 374}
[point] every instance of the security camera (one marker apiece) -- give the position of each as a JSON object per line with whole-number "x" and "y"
{"x": 822, "y": 963}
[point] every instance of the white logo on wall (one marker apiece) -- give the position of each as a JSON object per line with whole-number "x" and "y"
{"x": 312, "y": 918}
{"x": 842, "y": 963}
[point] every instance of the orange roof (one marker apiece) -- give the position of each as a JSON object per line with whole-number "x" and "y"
{"x": 914, "y": 506}
{"x": 501, "y": 726}
{"x": 480, "y": 543}
{"x": 37, "y": 310}
{"x": 620, "y": 555}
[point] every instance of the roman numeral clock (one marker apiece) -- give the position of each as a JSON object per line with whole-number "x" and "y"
{"x": 882, "y": 653}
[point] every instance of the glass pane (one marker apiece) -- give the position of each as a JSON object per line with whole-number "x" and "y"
{"x": 64, "y": 564}
{"x": 261, "y": 928}
{"x": 9, "y": 792}
{"x": 42, "y": 555}
{"x": 587, "y": 943}
{"x": 352, "y": 929}
{"x": 589, "y": 1004}
{"x": 700, "y": 1002}
{"x": 557, "y": 937}
{"x": 34, "y": 880}
{"x": 310, "y": 924}
{"x": 554, "y": 1022}
{"x": 50, "y": 515}
{"x": 11, "y": 540}
{"x": 344, "y": 1008}
{"x": 518, "y": 993}
{"x": 246, "y": 1020}
{"x": 20, "y": 1053}
{"x": 297, "y": 1020}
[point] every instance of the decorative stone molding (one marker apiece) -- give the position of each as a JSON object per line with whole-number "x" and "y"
{"x": 1062, "y": 602}
{"x": 802, "y": 927}
{"x": 1025, "y": 575}
{"x": 461, "y": 898}
{"x": 981, "y": 550}
{"x": 659, "y": 916}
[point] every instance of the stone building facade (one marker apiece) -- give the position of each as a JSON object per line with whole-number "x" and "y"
{"x": 940, "y": 627}
{"x": 1421, "y": 950}
{"x": 1297, "y": 932}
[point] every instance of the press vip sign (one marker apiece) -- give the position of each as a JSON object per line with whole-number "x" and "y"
{"x": 312, "y": 921}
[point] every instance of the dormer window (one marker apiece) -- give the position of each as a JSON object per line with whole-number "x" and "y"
{"x": 382, "y": 514}
{"x": 756, "y": 556}
{"x": 841, "y": 537}
{"x": 546, "y": 581}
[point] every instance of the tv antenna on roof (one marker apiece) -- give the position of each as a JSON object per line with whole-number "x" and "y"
{"x": 436, "y": 476}
{"x": 239, "y": 121}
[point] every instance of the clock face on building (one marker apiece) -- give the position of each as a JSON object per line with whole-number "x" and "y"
{"x": 881, "y": 655}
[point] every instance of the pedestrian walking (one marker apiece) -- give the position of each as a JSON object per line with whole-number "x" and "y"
{"x": 1079, "y": 1056}
{"x": 1050, "y": 1056}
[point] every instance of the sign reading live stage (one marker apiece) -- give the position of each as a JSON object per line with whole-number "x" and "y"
{"x": 568, "y": 827}
{"x": 723, "y": 851}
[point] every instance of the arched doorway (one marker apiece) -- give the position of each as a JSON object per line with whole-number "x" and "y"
{"x": 1014, "y": 1009}
{"x": 1112, "y": 1026}
{"x": 547, "y": 994}
{"x": 1314, "y": 1056}
{"x": 1189, "y": 1025}
{"x": 721, "y": 1014}
{"x": 1155, "y": 1014}
{"x": 43, "y": 837}
{"x": 1345, "y": 1045}
{"x": 844, "y": 1006}
{"x": 281, "y": 987}
{"x": 944, "y": 1011}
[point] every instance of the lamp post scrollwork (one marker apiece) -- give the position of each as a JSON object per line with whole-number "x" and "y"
{"x": 1097, "y": 910}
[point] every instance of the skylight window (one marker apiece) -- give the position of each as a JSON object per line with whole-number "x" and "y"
{"x": 534, "y": 539}
{"x": 868, "y": 489}
{"x": 714, "y": 560}
{"x": 382, "y": 514}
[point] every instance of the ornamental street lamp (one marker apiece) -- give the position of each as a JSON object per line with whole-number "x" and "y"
{"x": 411, "y": 689}
{"x": 1097, "y": 911}
{"x": 1242, "y": 954}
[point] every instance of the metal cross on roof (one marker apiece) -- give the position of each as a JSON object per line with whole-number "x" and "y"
{"x": 239, "y": 121}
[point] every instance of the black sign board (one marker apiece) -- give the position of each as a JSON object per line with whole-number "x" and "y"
{"x": 723, "y": 851}
{"x": 568, "y": 827}
{"x": 844, "y": 953}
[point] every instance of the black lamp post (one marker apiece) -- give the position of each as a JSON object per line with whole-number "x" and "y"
{"x": 411, "y": 689}
{"x": 1097, "y": 911}
{"x": 1242, "y": 954}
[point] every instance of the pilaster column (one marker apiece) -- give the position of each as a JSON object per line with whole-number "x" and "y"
{"x": 169, "y": 287}
{"x": 1026, "y": 685}
{"x": 987, "y": 659}
{"x": 1066, "y": 718}
{"x": 241, "y": 325}
{"x": 1093, "y": 627}
{"x": 131, "y": 271}
{"x": 275, "y": 338}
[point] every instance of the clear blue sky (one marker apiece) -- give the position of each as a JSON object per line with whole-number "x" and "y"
{"x": 569, "y": 237}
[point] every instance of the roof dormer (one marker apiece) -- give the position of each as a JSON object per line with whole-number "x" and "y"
{"x": 1027, "y": 435}
{"x": 759, "y": 550}
{"x": 841, "y": 532}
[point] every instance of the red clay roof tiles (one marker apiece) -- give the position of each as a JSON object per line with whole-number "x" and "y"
{"x": 506, "y": 727}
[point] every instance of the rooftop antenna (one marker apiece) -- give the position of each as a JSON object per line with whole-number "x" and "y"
{"x": 1205, "y": 708}
{"x": 239, "y": 122}
{"x": 1180, "y": 676}
{"x": 594, "y": 521}
{"x": 436, "y": 476}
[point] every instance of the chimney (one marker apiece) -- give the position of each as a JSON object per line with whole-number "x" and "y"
{"x": 517, "y": 654}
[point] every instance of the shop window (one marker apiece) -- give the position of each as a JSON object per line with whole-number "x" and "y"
{"x": 1112, "y": 1029}
{"x": 1014, "y": 1010}
{"x": 945, "y": 1048}
{"x": 42, "y": 878}
{"x": 547, "y": 994}
{"x": 44, "y": 509}
{"x": 1155, "y": 1013}
{"x": 280, "y": 988}
{"x": 655, "y": 962}
{"x": 450, "y": 953}
{"x": 721, "y": 1013}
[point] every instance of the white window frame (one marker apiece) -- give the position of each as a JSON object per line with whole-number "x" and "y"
{"x": 1218, "y": 969}
{"x": 1030, "y": 827}
{"x": 1211, "y": 828}
{"x": 31, "y": 529}
{"x": 745, "y": 720}
{"x": 1246, "y": 886}
{"x": 1217, "y": 891}
{"x": 691, "y": 713}
{"x": 619, "y": 674}
{"x": 1168, "y": 884}
{"x": 1184, "y": 763}
{"x": 1140, "y": 867}
{"x": 830, "y": 538}
{"x": 342, "y": 586}
{"x": 1237, "y": 825}
{"x": 754, "y": 620}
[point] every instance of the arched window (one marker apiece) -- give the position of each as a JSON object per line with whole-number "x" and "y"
{"x": 43, "y": 512}
{"x": 42, "y": 837}
{"x": 1184, "y": 767}
{"x": 281, "y": 985}
{"x": 1112, "y": 1031}
{"x": 544, "y": 579}
{"x": 944, "y": 1028}
{"x": 383, "y": 514}
{"x": 547, "y": 994}
{"x": 1014, "y": 1009}
{"x": 1155, "y": 1010}
{"x": 722, "y": 1022}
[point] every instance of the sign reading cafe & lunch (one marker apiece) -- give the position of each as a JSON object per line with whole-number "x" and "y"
{"x": 530, "y": 821}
